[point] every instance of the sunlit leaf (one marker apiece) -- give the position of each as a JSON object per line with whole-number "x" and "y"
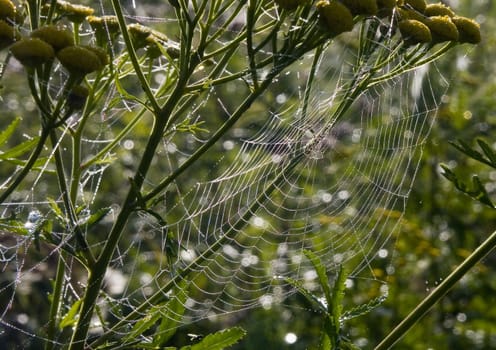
{"x": 20, "y": 149}
{"x": 488, "y": 151}
{"x": 9, "y": 130}
{"x": 363, "y": 309}
{"x": 71, "y": 317}
{"x": 321, "y": 273}
{"x": 219, "y": 340}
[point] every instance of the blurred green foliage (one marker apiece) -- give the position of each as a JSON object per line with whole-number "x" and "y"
{"x": 440, "y": 227}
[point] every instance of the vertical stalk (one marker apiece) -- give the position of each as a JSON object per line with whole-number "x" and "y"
{"x": 97, "y": 272}
{"x": 438, "y": 293}
{"x": 55, "y": 305}
{"x": 230, "y": 233}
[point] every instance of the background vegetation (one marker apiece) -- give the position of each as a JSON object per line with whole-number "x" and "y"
{"x": 440, "y": 228}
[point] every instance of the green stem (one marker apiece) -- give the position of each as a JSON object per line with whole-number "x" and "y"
{"x": 55, "y": 305}
{"x": 129, "y": 126}
{"x": 132, "y": 56}
{"x": 438, "y": 293}
{"x": 59, "y": 165}
{"x": 218, "y": 134}
{"x": 98, "y": 270}
{"x": 231, "y": 230}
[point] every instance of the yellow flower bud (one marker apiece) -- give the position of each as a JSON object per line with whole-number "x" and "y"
{"x": 79, "y": 60}
{"x": 32, "y": 52}
{"x": 336, "y": 17}
{"x": 361, "y": 7}
{"x": 99, "y": 52}
{"x": 77, "y": 97}
{"x": 438, "y": 9}
{"x": 291, "y": 4}
{"x": 404, "y": 14}
{"x": 107, "y": 23}
{"x": 105, "y": 28}
{"x": 414, "y": 32}
{"x": 468, "y": 29}
{"x": 418, "y": 5}
{"x": 7, "y": 10}
{"x": 56, "y": 35}
{"x": 8, "y": 35}
{"x": 74, "y": 13}
{"x": 139, "y": 33}
{"x": 442, "y": 28}
{"x": 385, "y": 7}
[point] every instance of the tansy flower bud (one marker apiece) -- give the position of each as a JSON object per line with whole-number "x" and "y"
{"x": 153, "y": 47}
{"x": 100, "y": 53}
{"x": 414, "y": 32}
{"x": 7, "y": 10}
{"x": 77, "y": 97}
{"x": 105, "y": 27}
{"x": 8, "y": 34}
{"x": 139, "y": 33}
{"x": 361, "y": 7}
{"x": 336, "y": 17}
{"x": 404, "y": 14}
{"x": 32, "y": 52}
{"x": 56, "y": 35}
{"x": 385, "y": 7}
{"x": 442, "y": 28}
{"x": 173, "y": 52}
{"x": 438, "y": 9}
{"x": 74, "y": 13}
{"x": 79, "y": 60}
{"x": 468, "y": 30}
{"x": 418, "y": 5}
{"x": 291, "y": 4}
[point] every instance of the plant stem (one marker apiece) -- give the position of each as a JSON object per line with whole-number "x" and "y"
{"x": 438, "y": 293}
{"x": 132, "y": 56}
{"x": 231, "y": 230}
{"x": 97, "y": 272}
{"x": 85, "y": 249}
{"x": 55, "y": 305}
{"x": 218, "y": 134}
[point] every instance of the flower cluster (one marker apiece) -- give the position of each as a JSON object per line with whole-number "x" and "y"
{"x": 9, "y": 16}
{"x": 50, "y": 41}
{"x": 418, "y": 22}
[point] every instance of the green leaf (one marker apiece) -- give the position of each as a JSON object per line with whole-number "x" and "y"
{"x": 219, "y": 340}
{"x": 488, "y": 151}
{"x": 321, "y": 273}
{"x": 38, "y": 165}
{"x": 71, "y": 316}
{"x": 363, "y": 308}
{"x": 314, "y": 300}
{"x": 56, "y": 210}
{"x": 469, "y": 151}
{"x": 19, "y": 150}
{"x": 169, "y": 312}
{"x": 95, "y": 218}
{"x": 175, "y": 311}
{"x": 5, "y": 134}
{"x": 145, "y": 323}
{"x": 13, "y": 225}
{"x": 337, "y": 297}
{"x": 476, "y": 191}
{"x": 480, "y": 193}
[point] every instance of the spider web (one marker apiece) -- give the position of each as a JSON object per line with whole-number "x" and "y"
{"x": 289, "y": 176}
